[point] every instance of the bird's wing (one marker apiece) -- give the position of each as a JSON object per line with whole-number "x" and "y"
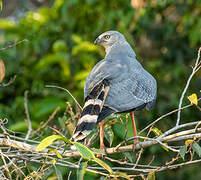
{"x": 96, "y": 89}
{"x": 135, "y": 88}
{"x": 105, "y": 69}
{"x": 130, "y": 84}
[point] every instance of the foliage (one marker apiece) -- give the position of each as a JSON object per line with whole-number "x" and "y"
{"x": 60, "y": 51}
{"x": 85, "y": 152}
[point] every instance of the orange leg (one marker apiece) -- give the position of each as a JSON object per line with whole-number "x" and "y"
{"x": 102, "y": 147}
{"x": 134, "y": 128}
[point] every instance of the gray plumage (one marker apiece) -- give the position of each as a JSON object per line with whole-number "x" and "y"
{"x": 131, "y": 86}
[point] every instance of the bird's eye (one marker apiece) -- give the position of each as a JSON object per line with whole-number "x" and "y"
{"x": 107, "y": 36}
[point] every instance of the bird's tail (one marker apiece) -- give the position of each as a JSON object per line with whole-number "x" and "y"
{"x": 89, "y": 116}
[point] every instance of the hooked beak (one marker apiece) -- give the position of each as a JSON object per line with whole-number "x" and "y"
{"x": 97, "y": 41}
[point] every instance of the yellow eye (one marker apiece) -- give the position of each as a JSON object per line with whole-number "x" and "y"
{"x": 107, "y": 36}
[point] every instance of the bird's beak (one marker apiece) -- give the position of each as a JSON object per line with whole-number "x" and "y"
{"x": 97, "y": 41}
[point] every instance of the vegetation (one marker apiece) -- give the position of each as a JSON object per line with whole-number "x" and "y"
{"x": 58, "y": 50}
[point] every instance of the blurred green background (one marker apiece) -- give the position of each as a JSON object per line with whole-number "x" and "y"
{"x": 165, "y": 35}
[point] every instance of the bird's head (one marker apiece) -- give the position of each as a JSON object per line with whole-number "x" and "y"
{"x": 109, "y": 38}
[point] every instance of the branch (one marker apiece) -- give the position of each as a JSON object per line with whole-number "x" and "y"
{"x": 187, "y": 85}
{"x": 9, "y": 82}
{"x": 53, "y": 86}
{"x": 150, "y": 170}
{"x": 165, "y": 115}
{"x": 175, "y": 137}
{"x": 12, "y": 45}
{"x": 27, "y": 114}
{"x": 51, "y": 117}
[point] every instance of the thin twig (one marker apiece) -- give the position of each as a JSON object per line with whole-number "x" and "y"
{"x": 150, "y": 170}
{"x": 165, "y": 115}
{"x": 2, "y": 123}
{"x": 163, "y": 135}
{"x": 182, "y": 133}
{"x": 130, "y": 164}
{"x": 5, "y": 164}
{"x": 177, "y": 127}
{"x": 46, "y": 123}
{"x": 64, "y": 165}
{"x": 27, "y": 114}
{"x": 12, "y": 45}
{"x": 69, "y": 175}
{"x": 16, "y": 167}
{"x": 9, "y": 82}
{"x": 53, "y": 86}
{"x": 187, "y": 85}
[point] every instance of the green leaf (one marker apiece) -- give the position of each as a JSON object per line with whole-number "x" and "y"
{"x": 84, "y": 151}
{"x": 49, "y": 140}
{"x": 81, "y": 171}
{"x": 197, "y": 148}
{"x": 58, "y": 173}
{"x": 129, "y": 156}
{"x": 151, "y": 176}
{"x": 119, "y": 129}
{"x": 98, "y": 151}
{"x": 182, "y": 151}
{"x": 108, "y": 134}
{"x": 103, "y": 164}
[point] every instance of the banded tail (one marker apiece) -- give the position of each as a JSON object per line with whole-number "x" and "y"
{"x": 92, "y": 107}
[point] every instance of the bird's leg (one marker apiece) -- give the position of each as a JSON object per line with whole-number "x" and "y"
{"x": 102, "y": 146}
{"x": 134, "y": 128}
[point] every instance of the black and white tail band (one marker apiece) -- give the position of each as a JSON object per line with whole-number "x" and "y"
{"x": 92, "y": 107}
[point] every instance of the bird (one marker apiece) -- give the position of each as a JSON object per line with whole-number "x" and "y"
{"x": 117, "y": 84}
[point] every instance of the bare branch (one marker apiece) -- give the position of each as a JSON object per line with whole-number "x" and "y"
{"x": 13, "y": 45}
{"x": 16, "y": 144}
{"x": 149, "y": 142}
{"x": 177, "y": 127}
{"x": 27, "y": 115}
{"x": 53, "y": 86}
{"x": 150, "y": 170}
{"x": 165, "y": 115}
{"x": 187, "y": 85}
{"x": 182, "y": 133}
{"x": 5, "y": 164}
{"x": 46, "y": 123}
{"x": 9, "y": 82}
